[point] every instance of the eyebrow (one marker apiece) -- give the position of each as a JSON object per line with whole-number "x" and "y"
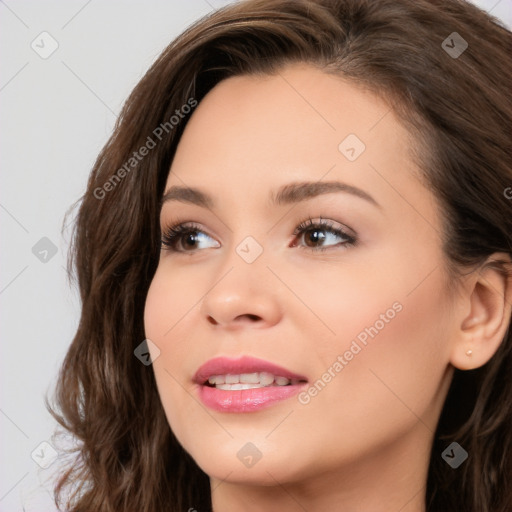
{"x": 287, "y": 194}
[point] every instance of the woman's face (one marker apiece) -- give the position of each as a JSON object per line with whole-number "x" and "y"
{"x": 354, "y": 312}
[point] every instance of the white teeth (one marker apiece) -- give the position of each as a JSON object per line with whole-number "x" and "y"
{"x": 232, "y": 382}
{"x": 238, "y": 387}
{"x": 232, "y": 379}
{"x": 250, "y": 378}
{"x": 266, "y": 379}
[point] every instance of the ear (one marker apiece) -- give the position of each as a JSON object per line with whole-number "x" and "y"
{"x": 486, "y": 314}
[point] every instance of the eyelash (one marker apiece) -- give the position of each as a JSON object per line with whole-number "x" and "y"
{"x": 324, "y": 225}
{"x": 172, "y": 235}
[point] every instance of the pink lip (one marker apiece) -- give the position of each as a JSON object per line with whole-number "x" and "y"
{"x": 244, "y": 400}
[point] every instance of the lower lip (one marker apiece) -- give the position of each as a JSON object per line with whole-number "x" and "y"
{"x": 246, "y": 400}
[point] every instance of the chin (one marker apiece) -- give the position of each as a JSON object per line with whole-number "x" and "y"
{"x": 243, "y": 462}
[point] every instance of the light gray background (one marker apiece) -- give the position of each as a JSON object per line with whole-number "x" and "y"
{"x": 56, "y": 115}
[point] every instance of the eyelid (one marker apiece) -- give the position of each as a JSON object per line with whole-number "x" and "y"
{"x": 326, "y": 224}
{"x": 171, "y": 235}
{"x": 349, "y": 235}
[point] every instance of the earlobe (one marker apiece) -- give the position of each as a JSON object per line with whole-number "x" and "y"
{"x": 487, "y": 314}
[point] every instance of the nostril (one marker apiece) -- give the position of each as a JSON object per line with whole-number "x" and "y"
{"x": 249, "y": 316}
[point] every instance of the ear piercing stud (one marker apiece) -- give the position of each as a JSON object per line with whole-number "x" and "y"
{"x": 469, "y": 353}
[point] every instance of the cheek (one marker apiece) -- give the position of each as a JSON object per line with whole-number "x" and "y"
{"x": 168, "y": 309}
{"x": 394, "y": 353}
{"x": 170, "y": 297}
{"x": 154, "y": 311}
{"x": 392, "y": 304}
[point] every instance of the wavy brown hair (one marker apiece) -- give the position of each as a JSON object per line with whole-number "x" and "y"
{"x": 459, "y": 111}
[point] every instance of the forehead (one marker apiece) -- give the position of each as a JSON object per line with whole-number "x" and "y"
{"x": 255, "y": 133}
{"x": 298, "y": 112}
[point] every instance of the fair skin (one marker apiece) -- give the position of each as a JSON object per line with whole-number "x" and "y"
{"x": 363, "y": 442}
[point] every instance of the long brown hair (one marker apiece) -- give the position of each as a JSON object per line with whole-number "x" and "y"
{"x": 458, "y": 108}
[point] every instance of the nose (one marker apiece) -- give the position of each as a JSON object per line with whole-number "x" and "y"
{"x": 243, "y": 295}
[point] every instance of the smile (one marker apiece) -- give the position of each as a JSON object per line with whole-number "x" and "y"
{"x": 245, "y": 384}
{"x": 249, "y": 381}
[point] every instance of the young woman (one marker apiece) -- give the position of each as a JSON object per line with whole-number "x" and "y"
{"x": 303, "y": 220}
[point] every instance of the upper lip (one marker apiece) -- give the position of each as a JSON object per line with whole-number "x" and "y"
{"x": 237, "y": 366}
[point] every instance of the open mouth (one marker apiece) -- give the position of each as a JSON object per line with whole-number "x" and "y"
{"x": 236, "y": 382}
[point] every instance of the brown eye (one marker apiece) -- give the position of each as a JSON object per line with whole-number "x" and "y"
{"x": 183, "y": 238}
{"x": 318, "y": 235}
